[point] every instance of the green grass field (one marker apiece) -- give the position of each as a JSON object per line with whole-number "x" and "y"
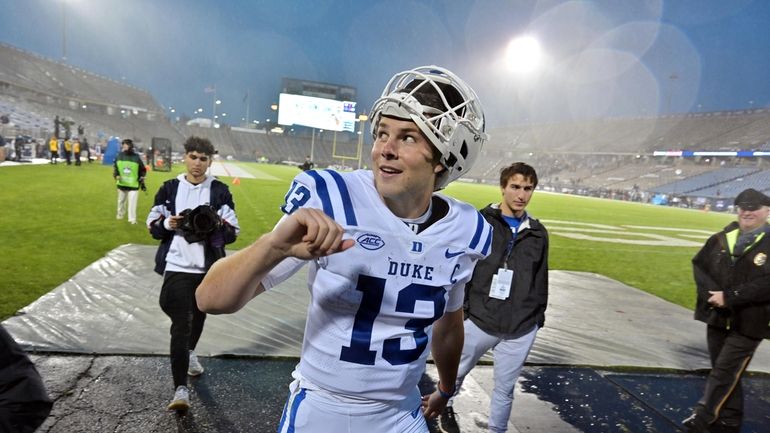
{"x": 56, "y": 220}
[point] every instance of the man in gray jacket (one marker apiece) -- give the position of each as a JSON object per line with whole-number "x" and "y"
{"x": 506, "y": 298}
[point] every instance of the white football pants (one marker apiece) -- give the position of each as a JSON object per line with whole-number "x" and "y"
{"x": 317, "y": 411}
{"x": 509, "y": 357}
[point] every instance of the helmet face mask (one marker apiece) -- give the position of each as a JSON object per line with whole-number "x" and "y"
{"x": 444, "y": 108}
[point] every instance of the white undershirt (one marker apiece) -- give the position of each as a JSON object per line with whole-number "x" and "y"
{"x": 183, "y": 256}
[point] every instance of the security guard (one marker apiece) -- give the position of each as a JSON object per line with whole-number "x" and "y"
{"x": 732, "y": 275}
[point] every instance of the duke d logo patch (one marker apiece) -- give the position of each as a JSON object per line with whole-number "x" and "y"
{"x": 760, "y": 259}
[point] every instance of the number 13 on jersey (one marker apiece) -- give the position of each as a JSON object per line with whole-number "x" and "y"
{"x": 360, "y": 351}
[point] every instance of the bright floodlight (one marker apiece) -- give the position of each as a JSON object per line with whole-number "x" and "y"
{"x": 523, "y": 54}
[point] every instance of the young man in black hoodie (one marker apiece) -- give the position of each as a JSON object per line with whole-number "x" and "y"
{"x": 506, "y": 298}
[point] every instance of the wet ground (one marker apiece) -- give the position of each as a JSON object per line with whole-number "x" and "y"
{"x": 642, "y": 377}
{"x": 130, "y": 394}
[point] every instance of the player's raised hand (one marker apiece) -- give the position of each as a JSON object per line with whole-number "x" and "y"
{"x": 309, "y": 233}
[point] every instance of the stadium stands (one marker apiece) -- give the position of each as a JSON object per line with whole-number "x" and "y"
{"x": 250, "y": 144}
{"x": 745, "y": 129}
{"x": 37, "y": 74}
{"x": 34, "y": 90}
{"x": 759, "y": 180}
{"x": 24, "y": 119}
{"x": 603, "y": 157}
{"x": 705, "y": 180}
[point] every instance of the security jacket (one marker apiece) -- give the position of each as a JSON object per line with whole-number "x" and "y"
{"x": 129, "y": 169}
{"x": 745, "y": 282}
{"x": 528, "y": 258}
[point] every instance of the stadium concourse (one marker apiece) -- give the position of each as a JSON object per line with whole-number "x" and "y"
{"x": 610, "y": 359}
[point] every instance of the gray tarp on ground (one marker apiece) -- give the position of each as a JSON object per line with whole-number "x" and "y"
{"x": 111, "y": 307}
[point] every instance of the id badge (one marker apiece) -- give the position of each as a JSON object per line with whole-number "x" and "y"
{"x": 501, "y": 284}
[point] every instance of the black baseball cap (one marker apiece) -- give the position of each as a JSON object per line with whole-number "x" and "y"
{"x": 751, "y": 199}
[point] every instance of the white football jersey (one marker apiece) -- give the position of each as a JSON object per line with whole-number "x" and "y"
{"x": 372, "y": 306}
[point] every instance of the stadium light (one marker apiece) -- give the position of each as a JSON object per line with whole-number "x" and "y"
{"x": 523, "y": 54}
{"x": 214, "y": 103}
{"x": 63, "y": 30}
{"x": 671, "y": 79}
{"x": 362, "y": 118}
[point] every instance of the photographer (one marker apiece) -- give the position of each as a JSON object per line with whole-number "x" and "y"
{"x": 194, "y": 217}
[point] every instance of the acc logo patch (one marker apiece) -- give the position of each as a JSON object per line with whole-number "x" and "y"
{"x": 760, "y": 259}
{"x": 370, "y": 242}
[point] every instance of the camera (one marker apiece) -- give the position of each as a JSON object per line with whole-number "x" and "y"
{"x": 199, "y": 223}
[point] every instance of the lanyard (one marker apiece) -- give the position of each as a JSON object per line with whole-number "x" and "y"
{"x": 509, "y": 248}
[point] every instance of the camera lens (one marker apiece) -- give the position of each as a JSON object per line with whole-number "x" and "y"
{"x": 204, "y": 222}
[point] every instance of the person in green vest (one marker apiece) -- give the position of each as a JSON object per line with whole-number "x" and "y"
{"x": 732, "y": 276}
{"x": 129, "y": 172}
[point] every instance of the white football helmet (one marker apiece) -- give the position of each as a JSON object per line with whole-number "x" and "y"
{"x": 456, "y": 129}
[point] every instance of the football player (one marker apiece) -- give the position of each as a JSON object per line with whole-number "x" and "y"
{"x": 389, "y": 258}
